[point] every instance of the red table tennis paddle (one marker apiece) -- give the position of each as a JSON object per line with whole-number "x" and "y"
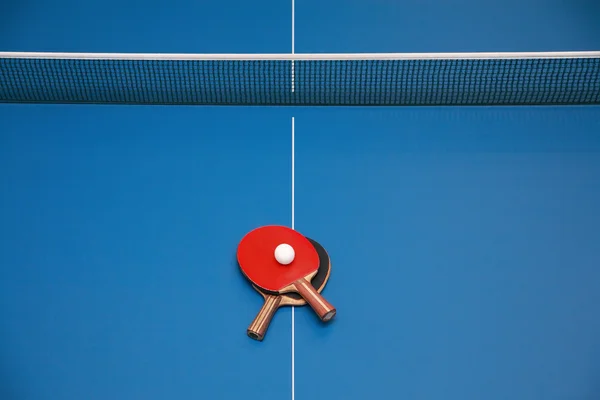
{"x": 258, "y": 328}
{"x": 256, "y": 257}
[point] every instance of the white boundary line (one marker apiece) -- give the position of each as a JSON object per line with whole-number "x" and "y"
{"x": 299, "y": 57}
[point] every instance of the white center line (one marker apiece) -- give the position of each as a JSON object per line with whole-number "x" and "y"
{"x": 293, "y": 173}
{"x": 293, "y": 25}
{"x": 293, "y": 42}
{"x": 293, "y": 227}
{"x": 293, "y": 193}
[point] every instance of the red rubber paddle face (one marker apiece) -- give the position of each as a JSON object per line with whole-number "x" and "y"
{"x": 256, "y": 256}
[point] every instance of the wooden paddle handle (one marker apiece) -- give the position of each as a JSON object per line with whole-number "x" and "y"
{"x": 258, "y": 327}
{"x": 324, "y": 310}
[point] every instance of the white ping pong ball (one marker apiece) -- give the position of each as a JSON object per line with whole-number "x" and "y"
{"x": 284, "y": 254}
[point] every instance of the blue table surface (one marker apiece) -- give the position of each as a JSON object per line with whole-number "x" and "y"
{"x": 464, "y": 241}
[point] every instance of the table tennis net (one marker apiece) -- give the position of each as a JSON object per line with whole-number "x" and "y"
{"x": 322, "y": 80}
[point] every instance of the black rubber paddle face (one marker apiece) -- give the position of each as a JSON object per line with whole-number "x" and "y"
{"x": 319, "y": 278}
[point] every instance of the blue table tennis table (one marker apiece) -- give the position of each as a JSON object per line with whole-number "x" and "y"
{"x": 463, "y": 239}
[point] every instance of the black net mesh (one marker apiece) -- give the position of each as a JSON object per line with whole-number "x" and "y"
{"x": 315, "y": 82}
